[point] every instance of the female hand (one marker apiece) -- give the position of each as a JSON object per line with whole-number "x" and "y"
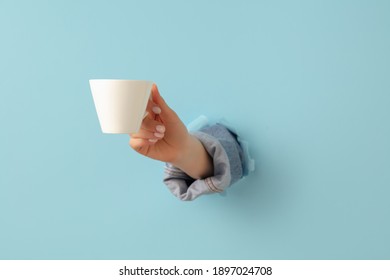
{"x": 164, "y": 137}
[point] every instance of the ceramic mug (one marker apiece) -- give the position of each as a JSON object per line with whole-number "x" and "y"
{"x": 120, "y": 104}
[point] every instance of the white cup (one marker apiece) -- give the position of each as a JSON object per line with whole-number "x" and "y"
{"x": 120, "y": 104}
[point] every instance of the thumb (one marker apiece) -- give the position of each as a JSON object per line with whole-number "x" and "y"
{"x": 167, "y": 114}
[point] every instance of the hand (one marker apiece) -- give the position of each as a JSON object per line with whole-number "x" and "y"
{"x": 164, "y": 137}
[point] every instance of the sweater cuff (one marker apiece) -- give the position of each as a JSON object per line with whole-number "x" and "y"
{"x": 227, "y": 155}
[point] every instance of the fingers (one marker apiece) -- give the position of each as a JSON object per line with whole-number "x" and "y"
{"x": 140, "y": 145}
{"x": 167, "y": 114}
{"x": 153, "y": 109}
{"x": 151, "y": 131}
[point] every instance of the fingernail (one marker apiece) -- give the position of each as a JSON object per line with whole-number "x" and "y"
{"x": 153, "y": 140}
{"x": 159, "y": 135}
{"x": 160, "y": 128}
{"x": 156, "y": 110}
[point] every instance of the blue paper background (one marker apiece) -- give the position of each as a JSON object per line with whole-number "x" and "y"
{"x": 307, "y": 83}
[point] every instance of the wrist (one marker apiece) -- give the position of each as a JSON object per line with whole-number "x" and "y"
{"x": 194, "y": 160}
{"x": 184, "y": 151}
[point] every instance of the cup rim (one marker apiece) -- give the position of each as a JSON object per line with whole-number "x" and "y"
{"x": 121, "y": 80}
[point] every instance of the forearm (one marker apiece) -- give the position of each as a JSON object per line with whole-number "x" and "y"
{"x": 194, "y": 160}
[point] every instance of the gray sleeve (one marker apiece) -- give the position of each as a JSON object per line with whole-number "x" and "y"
{"x": 227, "y": 155}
